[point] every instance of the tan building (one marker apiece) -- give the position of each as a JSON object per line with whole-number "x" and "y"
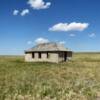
{"x": 48, "y": 52}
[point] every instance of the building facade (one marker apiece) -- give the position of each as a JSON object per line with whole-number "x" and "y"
{"x": 48, "y": 52}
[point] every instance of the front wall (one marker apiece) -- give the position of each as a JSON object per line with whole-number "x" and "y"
{"x": 53, "y": 57}
{"x": 35, "y": 56}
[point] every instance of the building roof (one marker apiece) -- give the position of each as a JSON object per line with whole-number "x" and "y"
{"x": 47, "y": 47}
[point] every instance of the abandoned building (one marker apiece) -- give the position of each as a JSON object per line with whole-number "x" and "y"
{"x": 48, "y": 52}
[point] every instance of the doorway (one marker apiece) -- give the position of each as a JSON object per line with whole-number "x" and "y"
{"x": 65, "y": 56}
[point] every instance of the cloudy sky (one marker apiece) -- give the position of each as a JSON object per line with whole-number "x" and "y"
{"x": 25, "y": 23}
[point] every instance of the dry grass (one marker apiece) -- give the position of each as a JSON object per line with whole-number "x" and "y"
{"x": 78, "y": 79}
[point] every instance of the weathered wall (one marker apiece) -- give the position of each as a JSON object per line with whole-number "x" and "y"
{"x": 28, "y": 57}
{"x": 53, "y": 57}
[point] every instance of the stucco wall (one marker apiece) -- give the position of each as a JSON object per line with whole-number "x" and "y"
{"x": 53, "y": 57}
{"x": 28, "y": 57}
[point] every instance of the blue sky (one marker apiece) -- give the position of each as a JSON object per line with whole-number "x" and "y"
{"x": 24, "y": 23}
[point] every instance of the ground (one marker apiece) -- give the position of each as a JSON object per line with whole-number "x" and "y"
{"x": 78, "y": 79}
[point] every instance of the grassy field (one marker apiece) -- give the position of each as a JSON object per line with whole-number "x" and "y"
{"x": 78, "y": 79}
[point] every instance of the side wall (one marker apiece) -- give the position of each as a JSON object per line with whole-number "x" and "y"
{"x": 65, "y": 56}
{"x": 52, "y": 57}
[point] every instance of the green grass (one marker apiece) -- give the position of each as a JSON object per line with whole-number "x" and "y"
{"x": 78, "y": 79}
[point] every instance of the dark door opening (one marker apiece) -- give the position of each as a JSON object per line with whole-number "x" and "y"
{"x": 65, "y": 56}
{"x": 39, "y": 55}
{"x": 32, "y": 54}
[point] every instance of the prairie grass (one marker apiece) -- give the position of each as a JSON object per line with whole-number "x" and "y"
{"x": 77, "y": 79}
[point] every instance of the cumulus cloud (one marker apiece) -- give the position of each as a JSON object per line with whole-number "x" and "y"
{"x": 74, "y": 26}
{"x": 24, "y": 12}
{"x": 62, "y": 42}
{"x": 39, "y": 4}
{"x": 15, "y": 12}
{"x": 41, "y": 40}
{"x": 29, "y": 42}
{"x": 71, "y": 35}
{"x": 92, "y": 35}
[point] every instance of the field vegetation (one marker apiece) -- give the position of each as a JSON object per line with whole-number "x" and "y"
{"x": 77, "y": 79}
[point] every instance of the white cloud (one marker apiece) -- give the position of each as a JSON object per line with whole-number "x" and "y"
{"x": 15, "y": 12}
{"x": 92, "y": 35}
{"x": 71, "y": 35}
{"x": 24, "y": 12}
{"x": 29, "y": 42}
{"x": 39, "y": 4}
{"x": 62, "y": 42}
{"x": 69, "y": 27}
{"x": 41, "y": 40}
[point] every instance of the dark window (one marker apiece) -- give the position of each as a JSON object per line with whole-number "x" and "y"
{"x": 33, "y": 55}
{"x": 39, "y": 55}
